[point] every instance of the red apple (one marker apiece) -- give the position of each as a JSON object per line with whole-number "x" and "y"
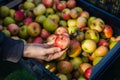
{"x": 108, "y": 32}
{"x": 61, "y": 5}
{"x": 44, "y": 33}
{"x": 74, "y": 13}
{"x": 103, "y": 42}
{"x": 19, "y": 15}
{"x": 65, "y": 14}
{"x": 27, "y": 20}
{"x": 51, "y": 39}
{"x": 13, "y": 28}
{"x": 61, "y": 30}
{"x": 47, "y": 3}
{"x": 71, "y": 3}
{"x": 34, "y": 29}
{"x": 62, "y": 41}
{"x": 85, "y": 14}
{"x": 88, "y": 72}
{"x": 37, "y": 40}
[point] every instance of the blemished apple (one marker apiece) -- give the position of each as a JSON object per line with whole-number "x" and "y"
{"x": 61, "y": 5}
{"x": 13, "y": 28}
{"x": 65, "y": 14}
{"x": 62, "y": 41}
{"x": 39, "y": 10}
{"x": 74, "y": 13}
{"x": 40, "y": 19}
{"x": 49, "y": 11}
{"x": 85, "y": 14}
{"x": 61, "y": 30}
{"x": 71, "y": 4}
{"x": 81, "y": 22}
{"x": 37, "y": 40}
{"x": 44, "y": 34}
{"x": 47, "y": 3}
{"x": 34, "y": 29}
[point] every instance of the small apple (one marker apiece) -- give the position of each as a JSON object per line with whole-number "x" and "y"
{"x": 108, "y": 31}
{"x": 51, "y": 38}
{"x": 4, "y": 11}
{"x": 54, "y": 17}
{"x": 61, "y": 30}
{"x": 34, "y": 29}
{"x": 103, "y": 42}
{"x": 88, "y": 45}
{"x": 81, "y": 22}
{"x": 39, "y": 10}
{"x": 47, "y": 3}
{"x": 28, "y": 5}
{"x": 74, "y": 13}
{"x": 65, "y": 14}
{"x": 92, "y": 34}
{"x": 23, "y": 32}
{"x": 49, "y": 11}
{"x": 71, "y": 4}
{"x": 27, "y": 20}
{"x": 13, "y": 28}
{"x": 6, "y": 32}
{"x": 90, "y": 20}
{"x": 88, "y": 72}
{"x": 44, "y": 34}
{"x": 97, "y": 24}
{"x": 85, "y": 14}
{"x": 63, "y": 23}
{"x": 62, "y": 41}
{"x": 8, "y": 20}
{"x": 61, "y": 5}
{"x": 29, "y": 13}
{"x": 19, "y": 15}
{"x": 40, "y": 19}
{"x": 37, "y": 40}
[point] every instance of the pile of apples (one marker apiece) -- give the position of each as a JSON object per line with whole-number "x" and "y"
{"x": 63, "y": 24}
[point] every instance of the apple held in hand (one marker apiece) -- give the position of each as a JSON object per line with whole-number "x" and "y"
{"x": 62, "y": 41}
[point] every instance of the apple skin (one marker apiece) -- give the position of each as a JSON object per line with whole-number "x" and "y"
{"x": 27, "y": 20}
{"x": 34, "y": 29}
{"x": 88, "y": 72}
{"x": 49, "y": 11}
{"x": 71, "y": 4}
{"x": 61, "y": 30}
{"x": 6, "y": 32}
{"x": 40, "y": 19}
{"x": 61, "y": 5}
{"x": 65, "y": 14}
{"x": 62, "y": 41}
{"x": 13, "y": 28}
{"x": 108, "y": 32}
{"x": 37, "y": 40}
{"x": 85, "y": 14}
{"x": 81, "y": 22}
{"x": 74, "y": 13}
{"x": 103, "y": 42}
{"x": 23, "y": 32}
{"x": 8, "y": 20}
{"x": 28, "y": 5}
{"x": 19, "y": 15}
{"x": 47, "y": 3}
{"x": 51, "y": 39}
{"x": 4, "y": 11}
{"x": 44, "y": 34}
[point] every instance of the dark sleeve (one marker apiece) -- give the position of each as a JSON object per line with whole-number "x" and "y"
{"x": 10, "y": 50}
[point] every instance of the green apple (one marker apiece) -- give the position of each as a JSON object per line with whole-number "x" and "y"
{"x": 97, "y": 24}
{"x": 40, "y": 19}
{"x": 39, "y": 10}
{"x": 28, "y": 5}
{"x": 8, "y": 20}
{"x": 71, "y": 23}
{"x": 49, "y": 11}
{"x": 63, "y": 23}
{"x": 4, "y": 11}
{"x": 6, "y": 32}
{"x": 92, "y": 34}
{"x": 54, "y": 17}
{"x": 12, "y": 13}
{"x": 50, "y": 25}
{"x": 90, "y": 20}
{"x": 23, "y": 33}
{"x": 96, "y": 60}
{"x": 88, "y": 45}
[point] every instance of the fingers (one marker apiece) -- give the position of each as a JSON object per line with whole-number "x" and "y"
{"x": 52, "y": 50}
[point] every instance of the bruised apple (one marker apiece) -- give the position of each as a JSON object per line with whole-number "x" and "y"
{"x": 62, "y": 41}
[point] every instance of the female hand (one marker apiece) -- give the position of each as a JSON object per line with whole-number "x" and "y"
{"x": 45, "y": 52}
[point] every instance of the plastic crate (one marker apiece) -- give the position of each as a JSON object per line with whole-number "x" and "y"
{"x": 111, "y": 6}
{"x": 105, "y": 68}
